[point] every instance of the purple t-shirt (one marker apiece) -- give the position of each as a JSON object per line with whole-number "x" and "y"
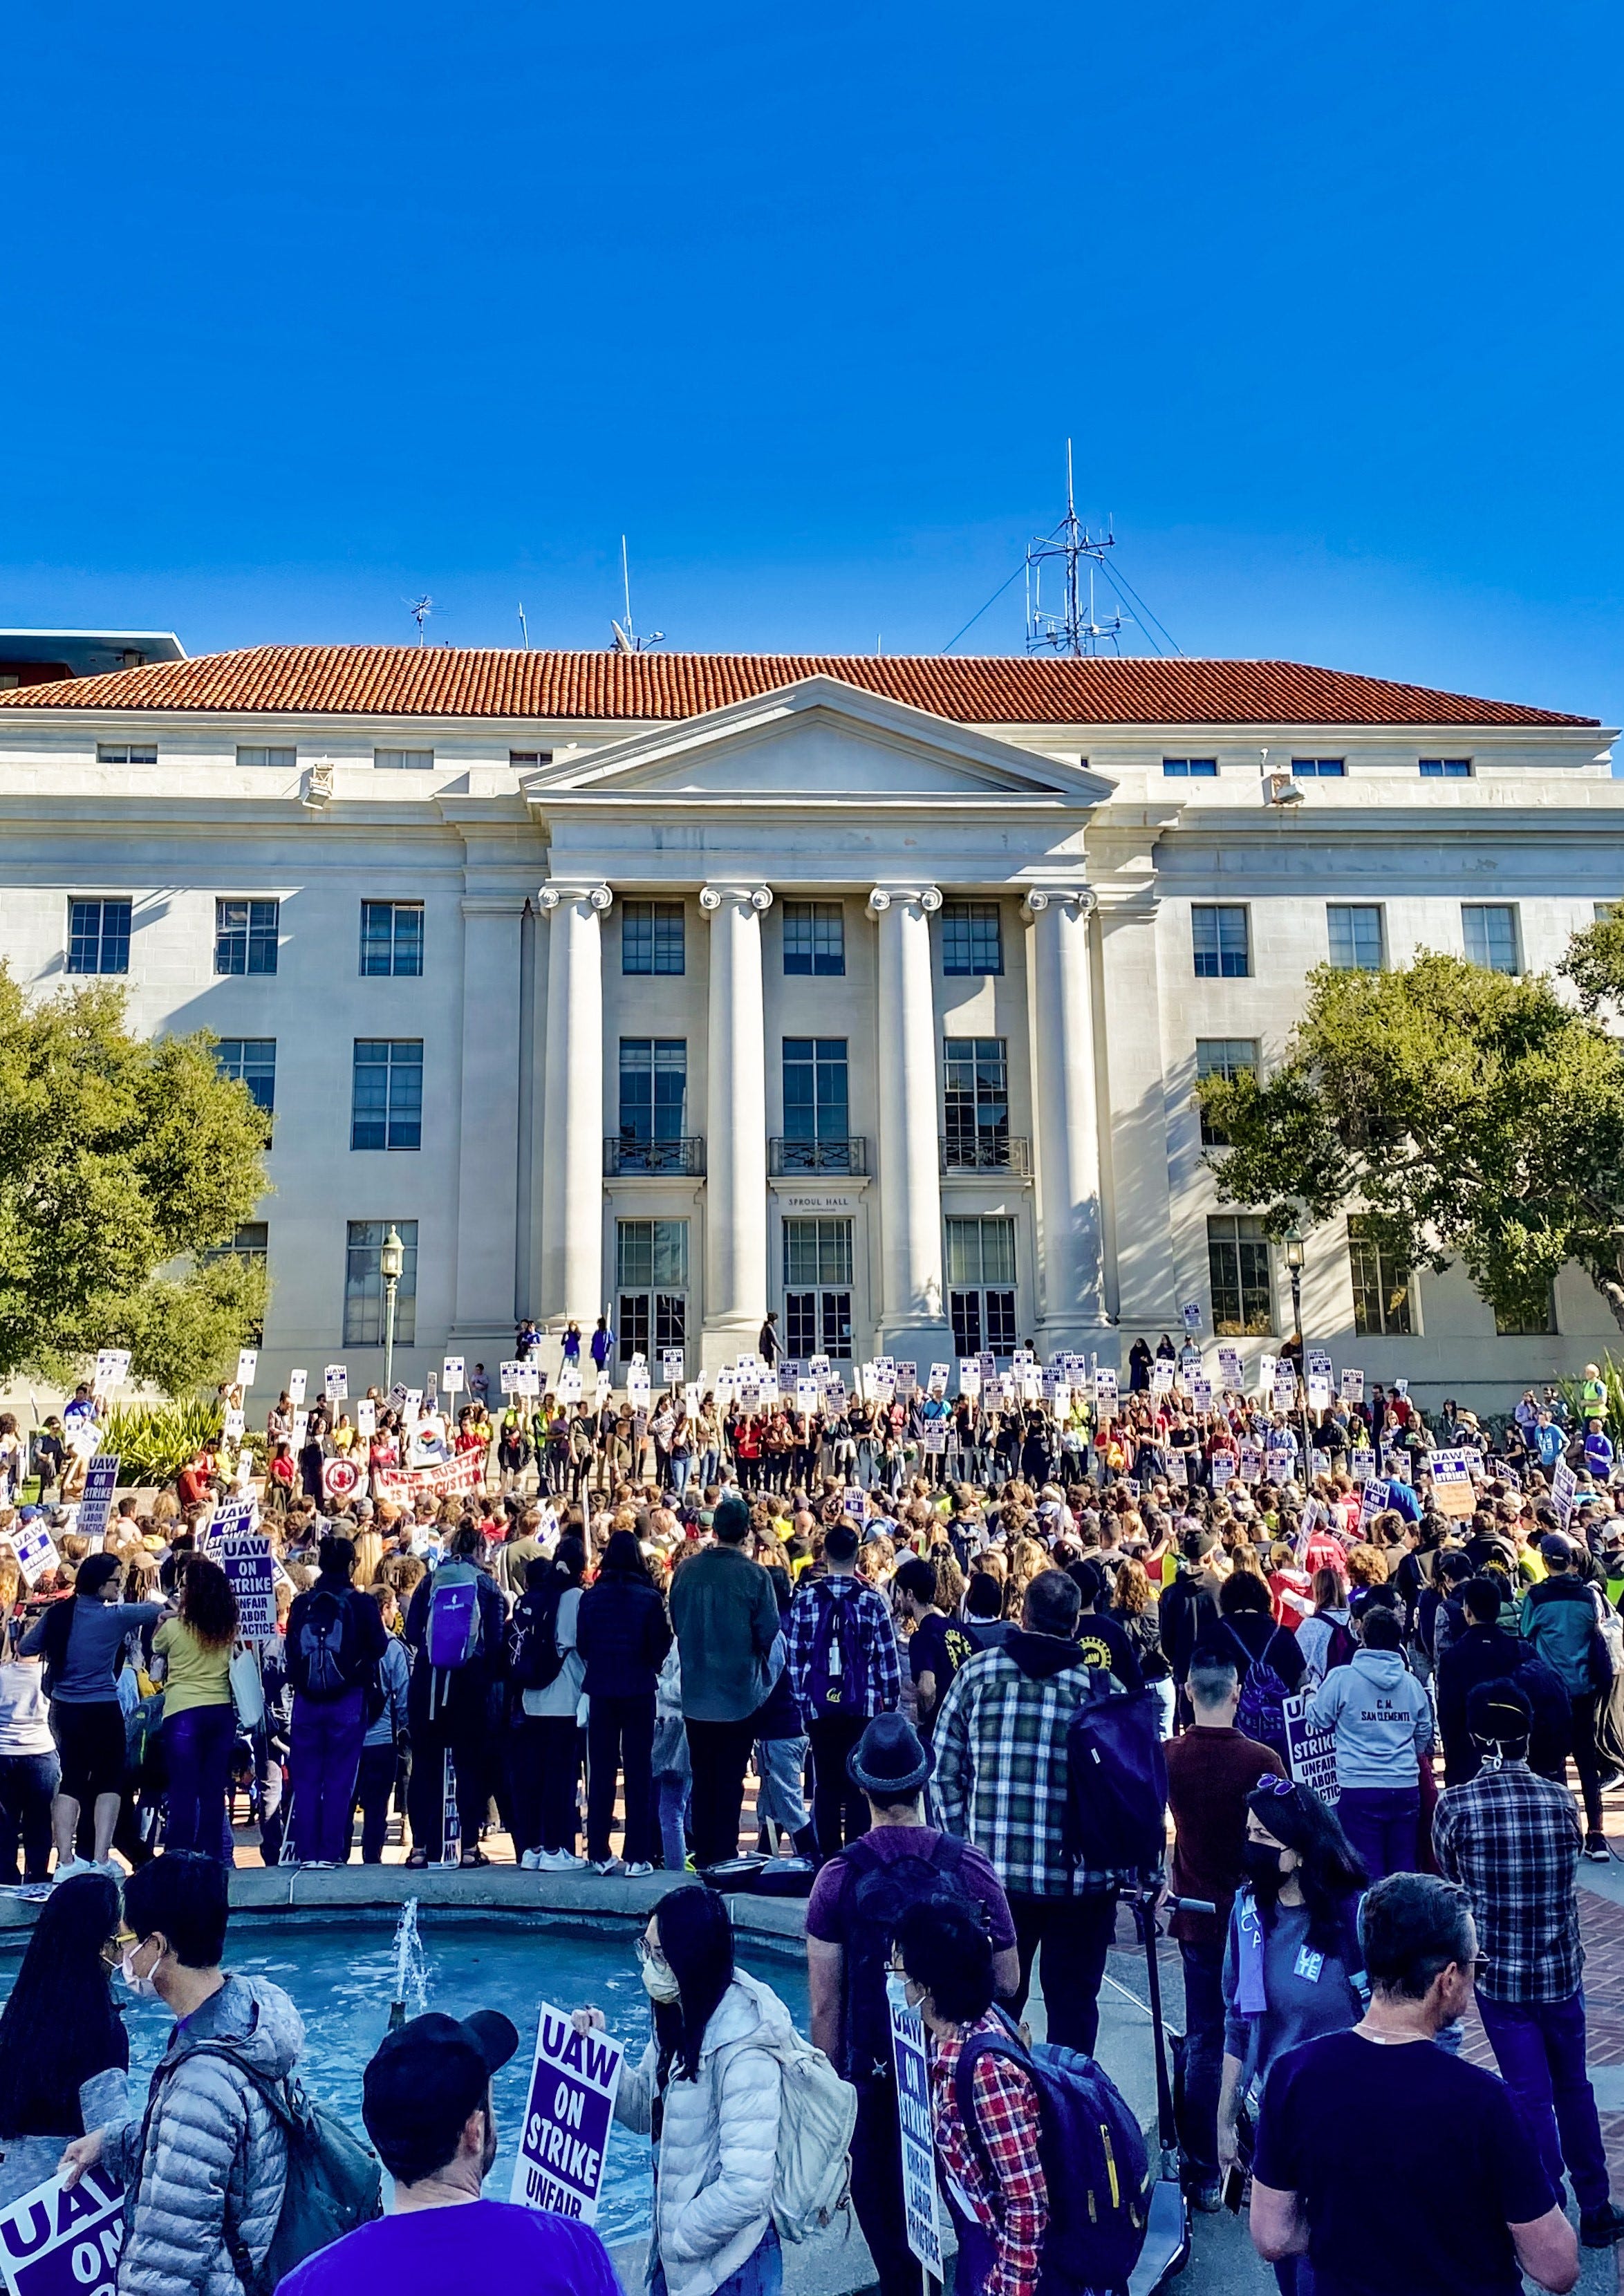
{"x": 890, "y": 1842}
{"x": 481, "y": 2244}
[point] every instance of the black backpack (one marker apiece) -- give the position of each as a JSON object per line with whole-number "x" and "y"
{"x": 1116, "y": 1780}
{"x": 534, "y": 1657}
{"x": 875, "y": 1894}
{"x": 327, "y": 1660}
{"x": 837, "y": 1673}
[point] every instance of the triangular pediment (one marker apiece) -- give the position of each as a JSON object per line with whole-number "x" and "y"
{"x": 819, "y": 739}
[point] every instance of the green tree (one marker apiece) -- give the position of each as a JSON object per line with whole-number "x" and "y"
{"x": 1465, "y": 1114}
{"x": 123, "y": 1162}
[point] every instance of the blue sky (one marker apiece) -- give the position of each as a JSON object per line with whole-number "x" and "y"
{"x": 315, "y": 308}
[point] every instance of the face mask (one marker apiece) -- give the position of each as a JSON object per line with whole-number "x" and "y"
{"x": 143, "y": 1987}
{"x": 660, "y": 1982}
{"x": 1261, "y": 1861}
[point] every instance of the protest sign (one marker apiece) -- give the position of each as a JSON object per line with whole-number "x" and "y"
{"x": 988, "y": 1366}
{"x": 1201, "y": 1392}
{"x": 35, "y": 1551}
{"x": 907, "y": 1378}
{"x": 233, "y": 1518}
{"x": 573, "y": 2079}
{"x": 1319, "y": 1391}
{"x": 248, "y": 1364}
{"x": 234, "y": 1425}
{"x": 340, "y": 1478}
{"x": 1229, "y": 1367}
{"x": 1105, "y": 1388}
{"x": 569, "y": 1387}
{"x": 969, "y": 1376}
{"x": 939, "y": 1379}
{"x": 1221, "y": 1469}
{"x": 671, "y": 1365}
{"x": 1564, "y": 1483}
{"x": 452, "y": 1375}
{"x": 112, "y": 1368}
{"x": 366, "y": 1416}
{"x": 1280, "y": 1464}
{"x": 1161, "y": 1375}
{"x": 1452, "y": 1491}
{"x": 1266, "y": 1373}
{"x": 916, "y": 2128}
{"x": 806, "y": 1397}
{"x": 855, "y": 1504}
{"x": 1192, "y": 1313}
{"x": 1251, "y": 1461}
{"x": 56, "y": 2242}
{"x": 247, "y": 1561}
{"x": 1285, "y": 1387}
{"x": 336, "y": 1379}
{"x": 297, "y": 1381}
{"x": 1310, "y": 1753}
{"x": 1371, "y": 1501}
{"x": 97, "y": 1499}
{"x": 449, "y": 1479}
{"x": 935, "y": 1440}
{"x": 1362, "y": 1464}
{"x": 1353, "y": 1387}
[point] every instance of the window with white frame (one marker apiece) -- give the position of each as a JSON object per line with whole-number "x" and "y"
{"x": 364, "y": 1294}
{"x": 403, "y": 761}
{"x": 1489, "y": 930}
{"x": 1353, "y": 929}
{"x": 1222, "y": 941}
{"x": 980, "y": 1272}
{"x": 1238, "y": 1266}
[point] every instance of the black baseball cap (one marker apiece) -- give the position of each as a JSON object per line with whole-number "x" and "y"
{"x": 427, "y": 2078}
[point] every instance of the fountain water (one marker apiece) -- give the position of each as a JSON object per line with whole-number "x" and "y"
{"x": 411, "y": 1994}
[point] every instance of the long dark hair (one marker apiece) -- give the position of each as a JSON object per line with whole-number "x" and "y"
{"x": 696, "y": 1937}
{"x": 545, "y": 1584}
{"x": 60, "y": 2026}
{"x": 207, "y": 1604}
{"x": 623, "y": 1560}
{"x": 1328, "y": 1869}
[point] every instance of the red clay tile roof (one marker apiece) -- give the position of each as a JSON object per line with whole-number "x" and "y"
{"x": 995, "y": 690}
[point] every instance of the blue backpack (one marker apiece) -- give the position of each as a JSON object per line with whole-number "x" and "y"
{"x": 1095, "y": 2165}
{"x": 453, "y": 1633}
{"x": 1262, "y": 1713}
{"x": 837, "y": 1674}
{"x": 1115, "y": 1818}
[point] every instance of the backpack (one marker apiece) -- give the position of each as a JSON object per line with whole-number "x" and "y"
{"x": 1260, "y": 1715}
{"x": 455, "y": 1628}
{"x": 534, "y": 1657}
{"x": 1095, "y": 2163}
{"x": 837, "y": 1674}
{"x": 1340, "y": 1645}
{"x": 816, "y": 2115}
{"x": 1115, "y": 1817}
{"x": 875, "y": 1895}
{"x": 334, "y": 2182}
{"x": 326, "y": 1661}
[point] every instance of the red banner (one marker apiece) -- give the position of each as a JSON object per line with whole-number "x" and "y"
{"x": 450, "y": 1479}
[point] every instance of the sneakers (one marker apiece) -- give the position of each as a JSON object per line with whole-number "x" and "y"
{"x": 555, "y": 1861}
{"x": 1596, "y": 1849}
{"x": 530, "y": 1859}
{"x": 607, "y": 1866}
{"x": 636, "y": 1872}
{"x": 1600, "y": 2227}
{"x": 1208, "y": 2199}
{"x": 74, "y": 1868}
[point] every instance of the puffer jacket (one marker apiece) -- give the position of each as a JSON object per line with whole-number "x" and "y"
{"x": 197, "y": 2171}
{"x": 719, "y": 2141}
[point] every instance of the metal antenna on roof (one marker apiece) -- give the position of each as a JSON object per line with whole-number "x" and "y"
{"x": 1075, "y": 629}
{"x": 627, "y": 640}
{"x": 524, "y": 628}
{"x": 420, "y": 610}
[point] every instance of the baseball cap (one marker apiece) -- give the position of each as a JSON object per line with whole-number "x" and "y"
{"x": 427, "y": 2078}
{"x": 1556, "y": 1547}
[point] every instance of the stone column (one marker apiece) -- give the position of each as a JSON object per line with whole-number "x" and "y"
{"x": 573, "y": 1108}
{"x": 1066, "y": 1113}
{"x": 736, "y": 1122}
{"x": 488, "y": 1132}
{"x": 910, "y": 1185}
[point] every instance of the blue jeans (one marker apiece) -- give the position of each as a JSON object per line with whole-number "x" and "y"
{"x": 1381, "y": 1823}
{"x": 672, "y": 1806}
{"x": 27, "y": 1784}
{"x": 323, "y": 1757}
{"x": 1166, "y": 1695}
{"x": 197, "y": 1755}
{"x": 1539, "y": 2047}
{"x": 780, "y": 1795}
{"x": 682, "y": 1467}
{"x": 761, "y": 2274}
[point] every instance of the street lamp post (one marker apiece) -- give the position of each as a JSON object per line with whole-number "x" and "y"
{"x": 391, "y": 1266}
{"x": 1296, "y": 1253}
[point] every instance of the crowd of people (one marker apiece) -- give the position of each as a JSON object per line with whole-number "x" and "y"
{"x": 893, "y": 1619}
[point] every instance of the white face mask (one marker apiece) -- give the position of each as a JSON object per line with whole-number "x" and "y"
{"x": 660, "y": 1981}
{"x": 143, "y": 1987}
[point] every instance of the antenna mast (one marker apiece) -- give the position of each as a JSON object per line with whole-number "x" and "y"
{"x": 627, "y": 640}
{"x": 421, "y": 609}
{"x": 1075, "y": 629}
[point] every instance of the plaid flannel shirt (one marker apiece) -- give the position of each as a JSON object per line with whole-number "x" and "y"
{"x": 1013, "y": 2203}
{"x": 1000, "y": 1742}
{"x": 882, "y": 1689}
{"x": 1513, "y": 1839}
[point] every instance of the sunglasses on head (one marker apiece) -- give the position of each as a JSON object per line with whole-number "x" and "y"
{"x": 1276, "y": 1786}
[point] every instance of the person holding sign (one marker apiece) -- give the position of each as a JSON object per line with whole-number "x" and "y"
{"x": 64, "y": 2053}
{"x": 426, "y": 2102}
{"x": 709, "y": 2089}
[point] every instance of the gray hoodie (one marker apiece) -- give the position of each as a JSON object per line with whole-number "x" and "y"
{"x": 198, "y": 2167}
{"x": 1381, "y": 1716}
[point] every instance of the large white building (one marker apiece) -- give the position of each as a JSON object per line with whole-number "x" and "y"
{"x": 871, "y": 991}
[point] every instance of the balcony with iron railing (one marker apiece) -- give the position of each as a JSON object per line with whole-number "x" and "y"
{"x": 986, "y": 1152}
{"x": 787, "y": 1159}
{"x": 655, "y": 1157}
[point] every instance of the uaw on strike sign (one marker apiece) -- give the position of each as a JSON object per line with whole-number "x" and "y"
{"x": 573, "y": 2081}
{"x": 56, "y": 2243}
